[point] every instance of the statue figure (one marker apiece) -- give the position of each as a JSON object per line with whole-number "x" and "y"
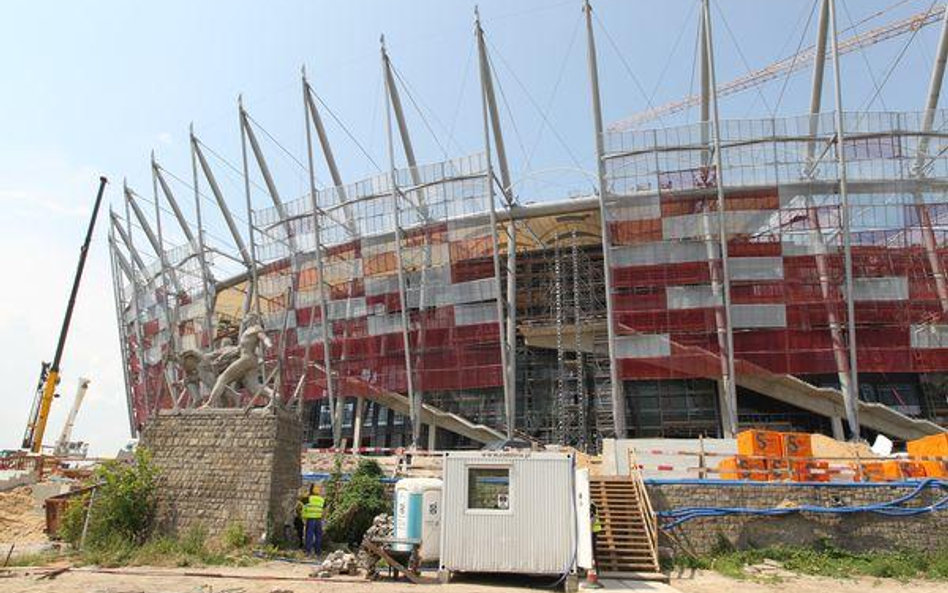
{"x": 228, "y": 367}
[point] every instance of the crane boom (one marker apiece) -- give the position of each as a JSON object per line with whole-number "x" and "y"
{"x": 787, "y": 66}
{"x": 62, "y": 445}
{"x": 49, "y": 376}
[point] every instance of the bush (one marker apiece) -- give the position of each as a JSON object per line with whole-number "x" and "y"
{"x": 235, "y": 536}
{"x": 356, "y": 503}
{"x": 123, "y": 506}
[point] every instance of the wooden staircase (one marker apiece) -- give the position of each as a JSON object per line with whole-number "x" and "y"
{"x": 627, "y": 545}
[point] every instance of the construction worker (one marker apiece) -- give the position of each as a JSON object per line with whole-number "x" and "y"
{"x": 312, "y": 515}
{"x": 595, "y": 526}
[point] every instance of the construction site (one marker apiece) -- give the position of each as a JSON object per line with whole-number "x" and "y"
{"x": 735, "y": 344}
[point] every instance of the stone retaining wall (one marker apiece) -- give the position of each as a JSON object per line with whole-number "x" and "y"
{"x": 857, "y": 532}
{"x": 218, "y": 467}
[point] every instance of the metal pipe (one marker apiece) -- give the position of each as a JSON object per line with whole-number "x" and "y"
{"x": 207, "y": 279}
{"x": 254, "y": 293}
{"x": 120, "y": 323}
{"x": 221, "y": 202}
{"x": 924, "y": 215}
{"x": 813, "y": 217}
{"x": 731, "y": 418}
{"x": 506, "y": 349}
{"x": 414, "y": 403}
{"x": 618, "y": 393}
{"x": 320, "y": 267}
{"x": 850, "y": 399}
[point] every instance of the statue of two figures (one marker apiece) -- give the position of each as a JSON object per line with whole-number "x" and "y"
{"x": 225, "y": 370}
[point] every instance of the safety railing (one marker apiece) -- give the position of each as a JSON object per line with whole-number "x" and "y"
{"x": 703, "y": 464}
{"x": 649, "y": 518}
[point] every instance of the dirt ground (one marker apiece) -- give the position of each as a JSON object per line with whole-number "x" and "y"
{"x": 712, "y": 582}
{"x": 277, "y": 577}
{"x": 21, "y": 520}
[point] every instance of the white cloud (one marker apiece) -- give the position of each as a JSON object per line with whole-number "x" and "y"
{"x": 166, "y": 138}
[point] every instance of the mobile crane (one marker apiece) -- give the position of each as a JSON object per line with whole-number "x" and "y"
{"x": 49, "y": 373}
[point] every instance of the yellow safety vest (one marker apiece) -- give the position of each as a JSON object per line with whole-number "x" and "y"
{"x": 596, "y": 525}
{"x": 313, "y": 509}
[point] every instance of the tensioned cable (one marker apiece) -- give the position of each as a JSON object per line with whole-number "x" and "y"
{"x": 796, "y": 54}
{"x": 740, "y": 53}
{"x": 896, "y": 61}
{"x": 865, "y": 59}
{"x": 342, "y": 125}
{"x": 674, "y": 50}
{"x": 503, "y": 99}
{"x": 234, "y": 169}
{"x": 418, "y": 101}
{"x": 280, "y": 146}
{"x": 464, "y": 77}
{"x": 556, "y": 87}
{"x": 628, "y": 68}
{"x": 208, "y": 199}
{"x": 421, "y": 114}
{"x": 696, "y": 52}
{"x": 535, "y": 106}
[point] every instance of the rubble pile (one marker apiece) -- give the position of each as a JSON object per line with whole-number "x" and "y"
{"x": 382, "y": 526}
{"x": 338, "y": 562}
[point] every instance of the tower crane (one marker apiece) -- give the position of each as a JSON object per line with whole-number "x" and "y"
{"x": 786, "y": 66}
{"x": 49, "y": 373}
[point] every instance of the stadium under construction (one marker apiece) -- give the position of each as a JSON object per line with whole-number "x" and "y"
{"x": 784, "y": 273}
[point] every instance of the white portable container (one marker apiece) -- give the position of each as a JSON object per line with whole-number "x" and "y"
{"x": 510, "y": 512}
{"x": 418, "y": 515}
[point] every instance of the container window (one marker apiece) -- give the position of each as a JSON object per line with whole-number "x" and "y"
{"x": 488, "y": 488}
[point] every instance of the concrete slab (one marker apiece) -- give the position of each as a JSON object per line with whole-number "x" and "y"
{"x": 638, "y": 586}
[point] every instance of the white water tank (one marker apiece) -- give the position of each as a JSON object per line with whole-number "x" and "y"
{"x": 418, "y": 515}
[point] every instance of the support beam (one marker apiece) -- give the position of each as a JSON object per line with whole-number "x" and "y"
{"x": 921, "y": 164}
{"x": 312, "y": 116}
{"x": 813, "y": 215}
{"x": 727, "y": 344}
{"x": 116, "y": 268}
{"x": 852, "y": 396}
{"x": 415, "y": 403}
{"x": 221, "y": 202}
{"x": 508, "y": 337}
{"x": 253, "y": 302}
{"x": 173, "y": 202}
{"x": 335, "y": 399}
{"x": 395, "y": 103}
{"x": 127, "y": 236}
{"x": 267, "y": 177}
{"x": 209, "y": 285}
{"x": 117, "y": 223}
{"x": 153, "y": 239}
{"x": 618, "y": 393}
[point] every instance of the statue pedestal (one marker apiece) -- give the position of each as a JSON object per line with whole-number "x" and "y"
{"x": 223, "y": 466}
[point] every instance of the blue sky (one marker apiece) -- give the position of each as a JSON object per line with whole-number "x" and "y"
{"x": 92, "y": 87}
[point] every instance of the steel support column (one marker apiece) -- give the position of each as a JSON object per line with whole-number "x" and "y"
{"x": 618, "y": 393}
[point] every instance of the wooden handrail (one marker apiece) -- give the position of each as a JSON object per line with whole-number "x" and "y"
{"x": 645, "y": 505}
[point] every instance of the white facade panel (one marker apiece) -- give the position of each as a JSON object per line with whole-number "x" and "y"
{"x": 642, "y": 346}
{"x": 698, "y": 296}
{"x": 883, "y": 288}
{"x": 756, "y": 268}
{"x": 758, "y": 316}
{"x": 929, "y": 336}
{"x": 346, "y": 308}
{"x": 664, "y": 252}
{"x": 475, "y": 314}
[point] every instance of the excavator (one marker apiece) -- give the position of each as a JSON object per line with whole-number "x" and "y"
{"x": 49, "y": 372}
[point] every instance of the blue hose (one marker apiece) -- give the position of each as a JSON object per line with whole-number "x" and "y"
{"x": 892, "y": 508}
